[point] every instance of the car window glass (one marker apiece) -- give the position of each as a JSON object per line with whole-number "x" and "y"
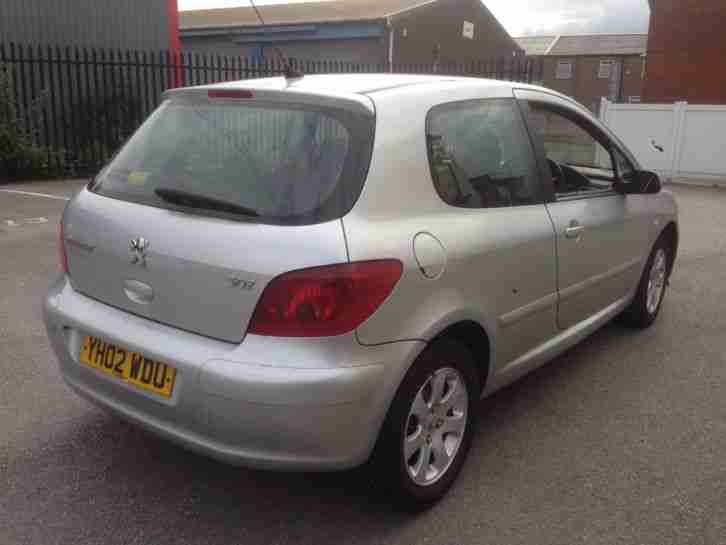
{"x": 625, "y": 168}
{"x": 578, "y": 161}
{"x": 480, "y": 154}
{"x": 290, "y": 163}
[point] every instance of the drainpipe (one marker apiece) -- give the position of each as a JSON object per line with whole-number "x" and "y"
{"x": 391, "y": 36}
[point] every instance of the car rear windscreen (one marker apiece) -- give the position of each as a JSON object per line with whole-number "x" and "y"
{"x": 265, "y": 162}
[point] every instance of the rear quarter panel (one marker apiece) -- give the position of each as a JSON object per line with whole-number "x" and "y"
{"x": 399, "y": 200}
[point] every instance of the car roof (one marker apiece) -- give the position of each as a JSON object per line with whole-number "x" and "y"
{"x": 346, "y": 83}
{"x": 359, "y": 86}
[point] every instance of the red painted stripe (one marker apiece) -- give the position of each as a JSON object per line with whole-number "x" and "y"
{"x": 174, "y": 42}
{"x": 173, "y": 19}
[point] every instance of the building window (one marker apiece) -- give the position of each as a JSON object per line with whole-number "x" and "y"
{"x": 564, "y": 70}
{"x": 606, "y": 69}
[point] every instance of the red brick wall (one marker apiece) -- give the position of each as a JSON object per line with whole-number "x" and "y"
{"x": 687, "y": 52}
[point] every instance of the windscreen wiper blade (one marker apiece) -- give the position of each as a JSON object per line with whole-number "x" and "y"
{"x": 194, "y": 200}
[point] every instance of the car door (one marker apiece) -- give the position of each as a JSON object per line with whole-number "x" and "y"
{"x": 601, "y": 235}
{"x": 500, "y": 238}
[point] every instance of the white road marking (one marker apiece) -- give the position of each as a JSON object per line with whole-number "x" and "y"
{"x": 26, "y": 221}
{"x": 31, "y": 194}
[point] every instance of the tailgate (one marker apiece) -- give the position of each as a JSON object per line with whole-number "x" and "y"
{"x": 200, "y": 274}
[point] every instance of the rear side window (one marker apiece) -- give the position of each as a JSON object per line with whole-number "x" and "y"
{"x": 480, "y": 155}
{"x": 264, "y": 162}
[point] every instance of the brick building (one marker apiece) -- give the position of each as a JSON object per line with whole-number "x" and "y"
{"x": 687, "y": 52}
{"x": 378, "y": 32}
{"x": 589, "y": 67}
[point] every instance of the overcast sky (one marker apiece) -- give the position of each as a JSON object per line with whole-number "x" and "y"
{"x": 529, "y": 16}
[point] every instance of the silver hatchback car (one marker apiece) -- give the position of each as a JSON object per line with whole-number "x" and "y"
{"x": 315, "y": 273}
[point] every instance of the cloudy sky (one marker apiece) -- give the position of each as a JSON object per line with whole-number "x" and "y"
{"x": 529, "y": 16}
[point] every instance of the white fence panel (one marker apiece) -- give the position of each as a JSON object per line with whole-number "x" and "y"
{"x": 703, "y": 148}
{"x": 644, "y": 129}
{"x": 675, "y": 140}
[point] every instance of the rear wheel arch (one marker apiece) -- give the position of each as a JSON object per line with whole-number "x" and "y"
{"x": 470, "y": 333}
{"x": 475, "y": 338}
{"x": 389, "y": 461}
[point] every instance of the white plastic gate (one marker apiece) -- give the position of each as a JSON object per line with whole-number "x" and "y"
{"x": 676, "y": 140}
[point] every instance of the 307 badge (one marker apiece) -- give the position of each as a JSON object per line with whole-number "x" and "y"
{"x": 127, "y": 366}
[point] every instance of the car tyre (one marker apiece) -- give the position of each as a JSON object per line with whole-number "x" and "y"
{"x": 429, "y": 427}
{"x": 646, "y": 304}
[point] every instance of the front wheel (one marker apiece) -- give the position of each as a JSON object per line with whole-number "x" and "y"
{"x": 428, "y": 431}
{"x": 646, "y": 304}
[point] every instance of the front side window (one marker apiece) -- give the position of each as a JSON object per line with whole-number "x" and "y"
{"x": 625, "y": 168}
{"x": 576, "y": 155}
{"x": 480, "y": 154}
{"x": 264, "y": 162}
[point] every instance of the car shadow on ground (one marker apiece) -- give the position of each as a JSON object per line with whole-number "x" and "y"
{"x": 150, "y": 480}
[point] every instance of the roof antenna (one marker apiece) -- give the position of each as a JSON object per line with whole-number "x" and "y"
{"x": 288, "y": 71}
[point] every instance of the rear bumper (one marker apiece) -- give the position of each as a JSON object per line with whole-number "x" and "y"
{"x": 269, "y": 403}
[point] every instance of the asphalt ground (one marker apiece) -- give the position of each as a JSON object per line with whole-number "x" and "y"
{"x": 620, "y": 440}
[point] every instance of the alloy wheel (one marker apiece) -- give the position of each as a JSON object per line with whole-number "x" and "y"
{"x": 656, "y": 281}
{"x": 435, "y": 426}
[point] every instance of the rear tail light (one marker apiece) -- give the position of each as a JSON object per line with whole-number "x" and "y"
{"x": 324, "y": 301}
{"x": 62, "y": 257}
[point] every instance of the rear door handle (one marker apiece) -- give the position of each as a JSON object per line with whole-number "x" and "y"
{"x": 574, "y": 230}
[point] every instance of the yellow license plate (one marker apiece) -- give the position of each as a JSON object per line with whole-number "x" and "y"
{"x": 127, "y": 366}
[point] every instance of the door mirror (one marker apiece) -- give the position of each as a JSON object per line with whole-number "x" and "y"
{"x": 640, "y": 182}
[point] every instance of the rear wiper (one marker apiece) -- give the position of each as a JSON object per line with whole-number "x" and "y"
{"x": 194, "y": 200}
